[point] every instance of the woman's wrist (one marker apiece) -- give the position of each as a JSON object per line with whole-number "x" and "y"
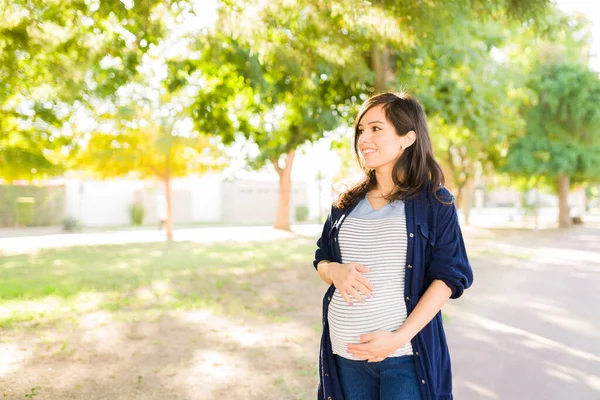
{"x": 328, "y": 269}
{"x": 324, "y": 268}
{"x": 401, "y": 337}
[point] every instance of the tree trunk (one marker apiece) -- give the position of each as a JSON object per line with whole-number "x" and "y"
{"x": 564, "y": 216}
{"x": 459, "y": 196}
{"x": 463, "y": 196}
{"x": 467, "y": 194}
{"x": 282, "y": 219}
{"x": 169, "y": 221}
{"x": 382, "y": 65}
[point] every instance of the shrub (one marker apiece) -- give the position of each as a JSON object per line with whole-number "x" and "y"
{"x": 70, "y": 224}
{"x": 25, "y": 208}
{"x": 301, "y": 213}
{"x": 136, "y": 213}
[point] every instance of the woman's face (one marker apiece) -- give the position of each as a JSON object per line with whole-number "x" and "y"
{"x": 378, "y": 143}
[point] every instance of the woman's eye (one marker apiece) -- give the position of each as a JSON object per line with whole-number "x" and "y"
{"x": 376, "y": 128}
{"x": 360, "y": 131}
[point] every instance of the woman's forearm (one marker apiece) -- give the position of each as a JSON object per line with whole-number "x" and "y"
{"x": 323, "y": 269}
{"x": 428, "y": 306}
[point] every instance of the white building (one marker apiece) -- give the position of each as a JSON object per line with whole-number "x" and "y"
{"x": 208, "y": 198}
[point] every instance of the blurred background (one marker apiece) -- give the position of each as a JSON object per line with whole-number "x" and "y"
{"x": 166, "y": 167}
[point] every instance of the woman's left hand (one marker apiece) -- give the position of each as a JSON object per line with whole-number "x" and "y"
{"x": 376, "y": 346}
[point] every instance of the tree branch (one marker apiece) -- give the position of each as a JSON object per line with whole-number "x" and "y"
{"x": 278, "y": 169}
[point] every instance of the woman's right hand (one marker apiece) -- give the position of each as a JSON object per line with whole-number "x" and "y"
{"x": 348, "y": 279}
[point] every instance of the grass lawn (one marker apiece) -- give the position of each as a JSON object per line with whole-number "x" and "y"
{"x": 200, "y": 316}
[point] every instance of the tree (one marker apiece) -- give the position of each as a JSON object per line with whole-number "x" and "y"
{"x": 472, "y": 85}
{"x": 468, "y": 93}
{"x": 567, "y": 44}
{"x": 55, "y": 56}
{"x": 470, "y": 100}
{"x": 148, "y": 132}
{"x": 285, "y": 91}
{"x": 375, "y": 34}
{"x": 301, "y": 68}
{"x": 315, "y": 63}
{"x": 146, "y": 141}
{"x": 562, "y": 138}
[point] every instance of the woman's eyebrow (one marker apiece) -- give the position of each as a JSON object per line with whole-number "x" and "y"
{"x": 373, "y": 122}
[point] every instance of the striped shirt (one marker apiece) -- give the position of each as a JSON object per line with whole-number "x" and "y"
{"x": 377, "y": 240}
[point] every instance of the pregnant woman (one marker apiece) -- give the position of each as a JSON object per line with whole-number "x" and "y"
{"x": 393, "y": 253}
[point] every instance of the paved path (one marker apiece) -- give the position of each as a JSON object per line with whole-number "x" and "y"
{"x": 529, "y": 328}
{"x": 53, "y": 239}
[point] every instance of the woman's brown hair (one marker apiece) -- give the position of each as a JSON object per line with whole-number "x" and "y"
{"x": 416, "y": 166}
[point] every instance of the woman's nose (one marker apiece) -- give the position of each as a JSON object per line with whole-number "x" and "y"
{"x": 363, "y": 138}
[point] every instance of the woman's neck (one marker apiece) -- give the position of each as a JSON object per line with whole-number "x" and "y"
{"x": 385, "y": 184}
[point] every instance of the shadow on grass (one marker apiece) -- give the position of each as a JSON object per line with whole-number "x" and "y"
{"x": 232, "y": 278}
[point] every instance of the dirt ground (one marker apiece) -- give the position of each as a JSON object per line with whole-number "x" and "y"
{"x": 170, "y": 355}
{"x": 187, "y": 355}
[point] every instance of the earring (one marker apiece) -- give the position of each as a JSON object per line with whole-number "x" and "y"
{"x": 402, "y": 147}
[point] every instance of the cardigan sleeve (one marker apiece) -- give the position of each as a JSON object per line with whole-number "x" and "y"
{"x": 448, "y": 260}
{"x": 323, "y": 251}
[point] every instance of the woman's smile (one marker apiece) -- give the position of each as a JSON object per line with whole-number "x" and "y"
{"x": 367, "y": 152}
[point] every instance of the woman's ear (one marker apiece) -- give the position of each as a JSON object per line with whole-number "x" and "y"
{"x": 409, "y": 139}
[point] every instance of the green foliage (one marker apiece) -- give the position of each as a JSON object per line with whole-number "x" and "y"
{"x": 563, "y": 125}
{"x": 136, "y": 213}
{"x": 55, "y": 57}
{"x": 25, "y": 207}
{"x": 468, "y": 95}
{"x": 49, "y": 204}
{"x": 301, "y": 213}
{"x": 319, "y": 64}
{"x": 568, "y": 98}
{"x": 143, "y": 139}
{"x": 33, "y": 393}
{"x": 70, "y": 224}
{"x": 276, "y": 74}
{"x": 278, "y": 97}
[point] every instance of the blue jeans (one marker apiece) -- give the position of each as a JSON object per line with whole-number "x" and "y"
{"x": 391, "y": 379}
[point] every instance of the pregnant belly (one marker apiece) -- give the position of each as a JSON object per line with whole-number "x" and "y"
{"x": 385, "y": 311}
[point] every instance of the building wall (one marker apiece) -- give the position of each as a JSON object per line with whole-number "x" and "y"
{"x": 195, "y": 199}
{"x": 205, "y": 196}
{"x": 182, "y": 203}
{"x": 100, "y": 203}
{"x": 248, "y": 202}
{"x": 106, "y": 203}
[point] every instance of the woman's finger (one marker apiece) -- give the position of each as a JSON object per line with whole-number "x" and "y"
{"x": 366, "y": 283}
{"x": 346, "y": 297}
{"x": 356, "y": 295}
{"x": 361, "y": 354}
{"x": 363, "y": 288}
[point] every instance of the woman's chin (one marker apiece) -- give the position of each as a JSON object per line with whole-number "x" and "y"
{"x": 372, "y": 165}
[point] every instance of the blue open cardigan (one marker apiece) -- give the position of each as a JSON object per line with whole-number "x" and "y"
{"x": 435, "y": 251}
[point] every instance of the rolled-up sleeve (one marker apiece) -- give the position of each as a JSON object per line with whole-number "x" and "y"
{"x": 323, "y": 251}
{"x": 448, "y": 261}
